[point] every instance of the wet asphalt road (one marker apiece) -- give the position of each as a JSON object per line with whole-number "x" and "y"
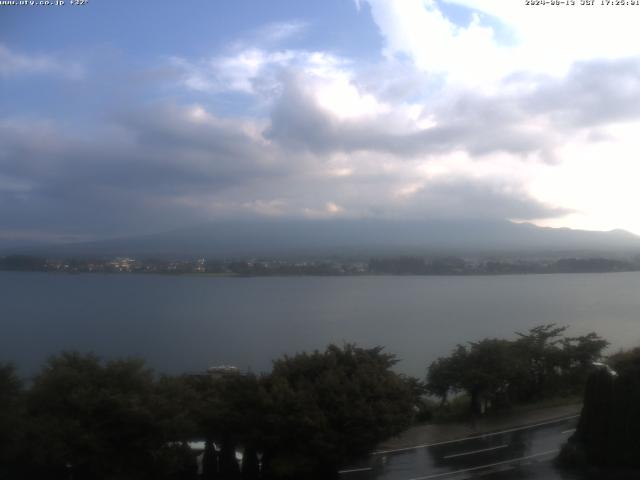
{"x": 518, "y": 453}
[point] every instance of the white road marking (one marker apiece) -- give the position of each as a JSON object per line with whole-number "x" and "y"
{"x": 354, "y": 470}
{"x": 481, "y": 467}
{"x": 473, "y": 437}
{"x": 476, "y": 451}
{"x": 571, "y": 430}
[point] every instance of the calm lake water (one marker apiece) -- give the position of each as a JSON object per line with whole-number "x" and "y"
{"x": 187, "y": 323}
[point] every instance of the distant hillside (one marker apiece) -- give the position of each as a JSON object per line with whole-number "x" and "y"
{"x": 366, "y": 237}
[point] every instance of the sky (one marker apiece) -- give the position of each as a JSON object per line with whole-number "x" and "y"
{"x": 123, "y": 118}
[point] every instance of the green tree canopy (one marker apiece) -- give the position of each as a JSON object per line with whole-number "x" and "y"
{"x": 94, "y": 419}
{"x": 539, "y": 363}
{"x": 327, "y": 407}
{"x": 11, "y": 420}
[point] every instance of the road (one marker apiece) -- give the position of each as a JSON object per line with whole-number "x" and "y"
{"x": 515, "y": 453}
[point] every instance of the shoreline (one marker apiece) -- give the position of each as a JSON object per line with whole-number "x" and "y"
{"x": 328, "y": 275}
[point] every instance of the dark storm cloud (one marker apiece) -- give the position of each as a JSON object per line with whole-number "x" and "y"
{"x": 158, "y": 156}
{"x": 134, "y": 176}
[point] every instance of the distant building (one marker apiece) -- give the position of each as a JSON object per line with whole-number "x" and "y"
{"x": 122, "y": 264}
{"x": 200, "y": 266}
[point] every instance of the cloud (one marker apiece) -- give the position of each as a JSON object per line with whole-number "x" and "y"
{"x": 451, "y": 120}
{"x": 541, "y": 40}
{"x": 12, "y": 63}
{"x": 551, "y": 41}
{"x": 419, "y": 29}
{"x": 469, "y": 198}
{"x": 277, "y": 32}
{"x": 245, "y": 71}
{"x": 597, "y": 92}
{"x": 170, "y": 166}
{"x": 478, "y": 125}
{"x": 322, "y": 103}
{"x": 137, "y": 175}
{"x": 331, "y": 143}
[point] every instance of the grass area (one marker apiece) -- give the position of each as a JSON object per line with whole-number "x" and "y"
{"x": 548, "y": 403}
{"x": 457, "y": 409}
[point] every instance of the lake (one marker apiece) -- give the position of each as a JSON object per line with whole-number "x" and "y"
{"x": 187, "y": 323}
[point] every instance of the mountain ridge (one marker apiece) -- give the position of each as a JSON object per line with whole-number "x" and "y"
{"x": 364, "y": 237}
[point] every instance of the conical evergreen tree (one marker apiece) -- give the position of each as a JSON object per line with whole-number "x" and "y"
{"x": 266, "y": 470}
{"x": 229, "y": 468}
{"x": 210, "y": 462}
{"x": 250, "y": 464}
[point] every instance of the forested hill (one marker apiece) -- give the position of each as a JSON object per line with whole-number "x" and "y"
{"x": 364, "y": 237}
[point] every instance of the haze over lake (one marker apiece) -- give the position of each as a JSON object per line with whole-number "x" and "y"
{"x": 187, "y": 323}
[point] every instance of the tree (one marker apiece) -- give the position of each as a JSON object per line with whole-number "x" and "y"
{"x": 443, "y": 377}
{"x": 229, "y": 411}
{"x": 175, "y": 404}
{"x": 609, "y": 426}
{"x": 495, "y": 372}
{"x": 577, "y": 358}
{"x": 22, "y": 263}
{"x": 175, "y": 461}
{"x": 538, "y": 354}
{"x": 250, "y": 464}
{"x": 488, "y": 373}
{"x": 209, "y": 461}
{"x": 11, "y": 421}
{"x": 228, "y": 463}
{"x": 327, "y": 407}
{"x": 482, "y": 369}
{"x": 551, "y": 364}
{"x": 92, "y": 419}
